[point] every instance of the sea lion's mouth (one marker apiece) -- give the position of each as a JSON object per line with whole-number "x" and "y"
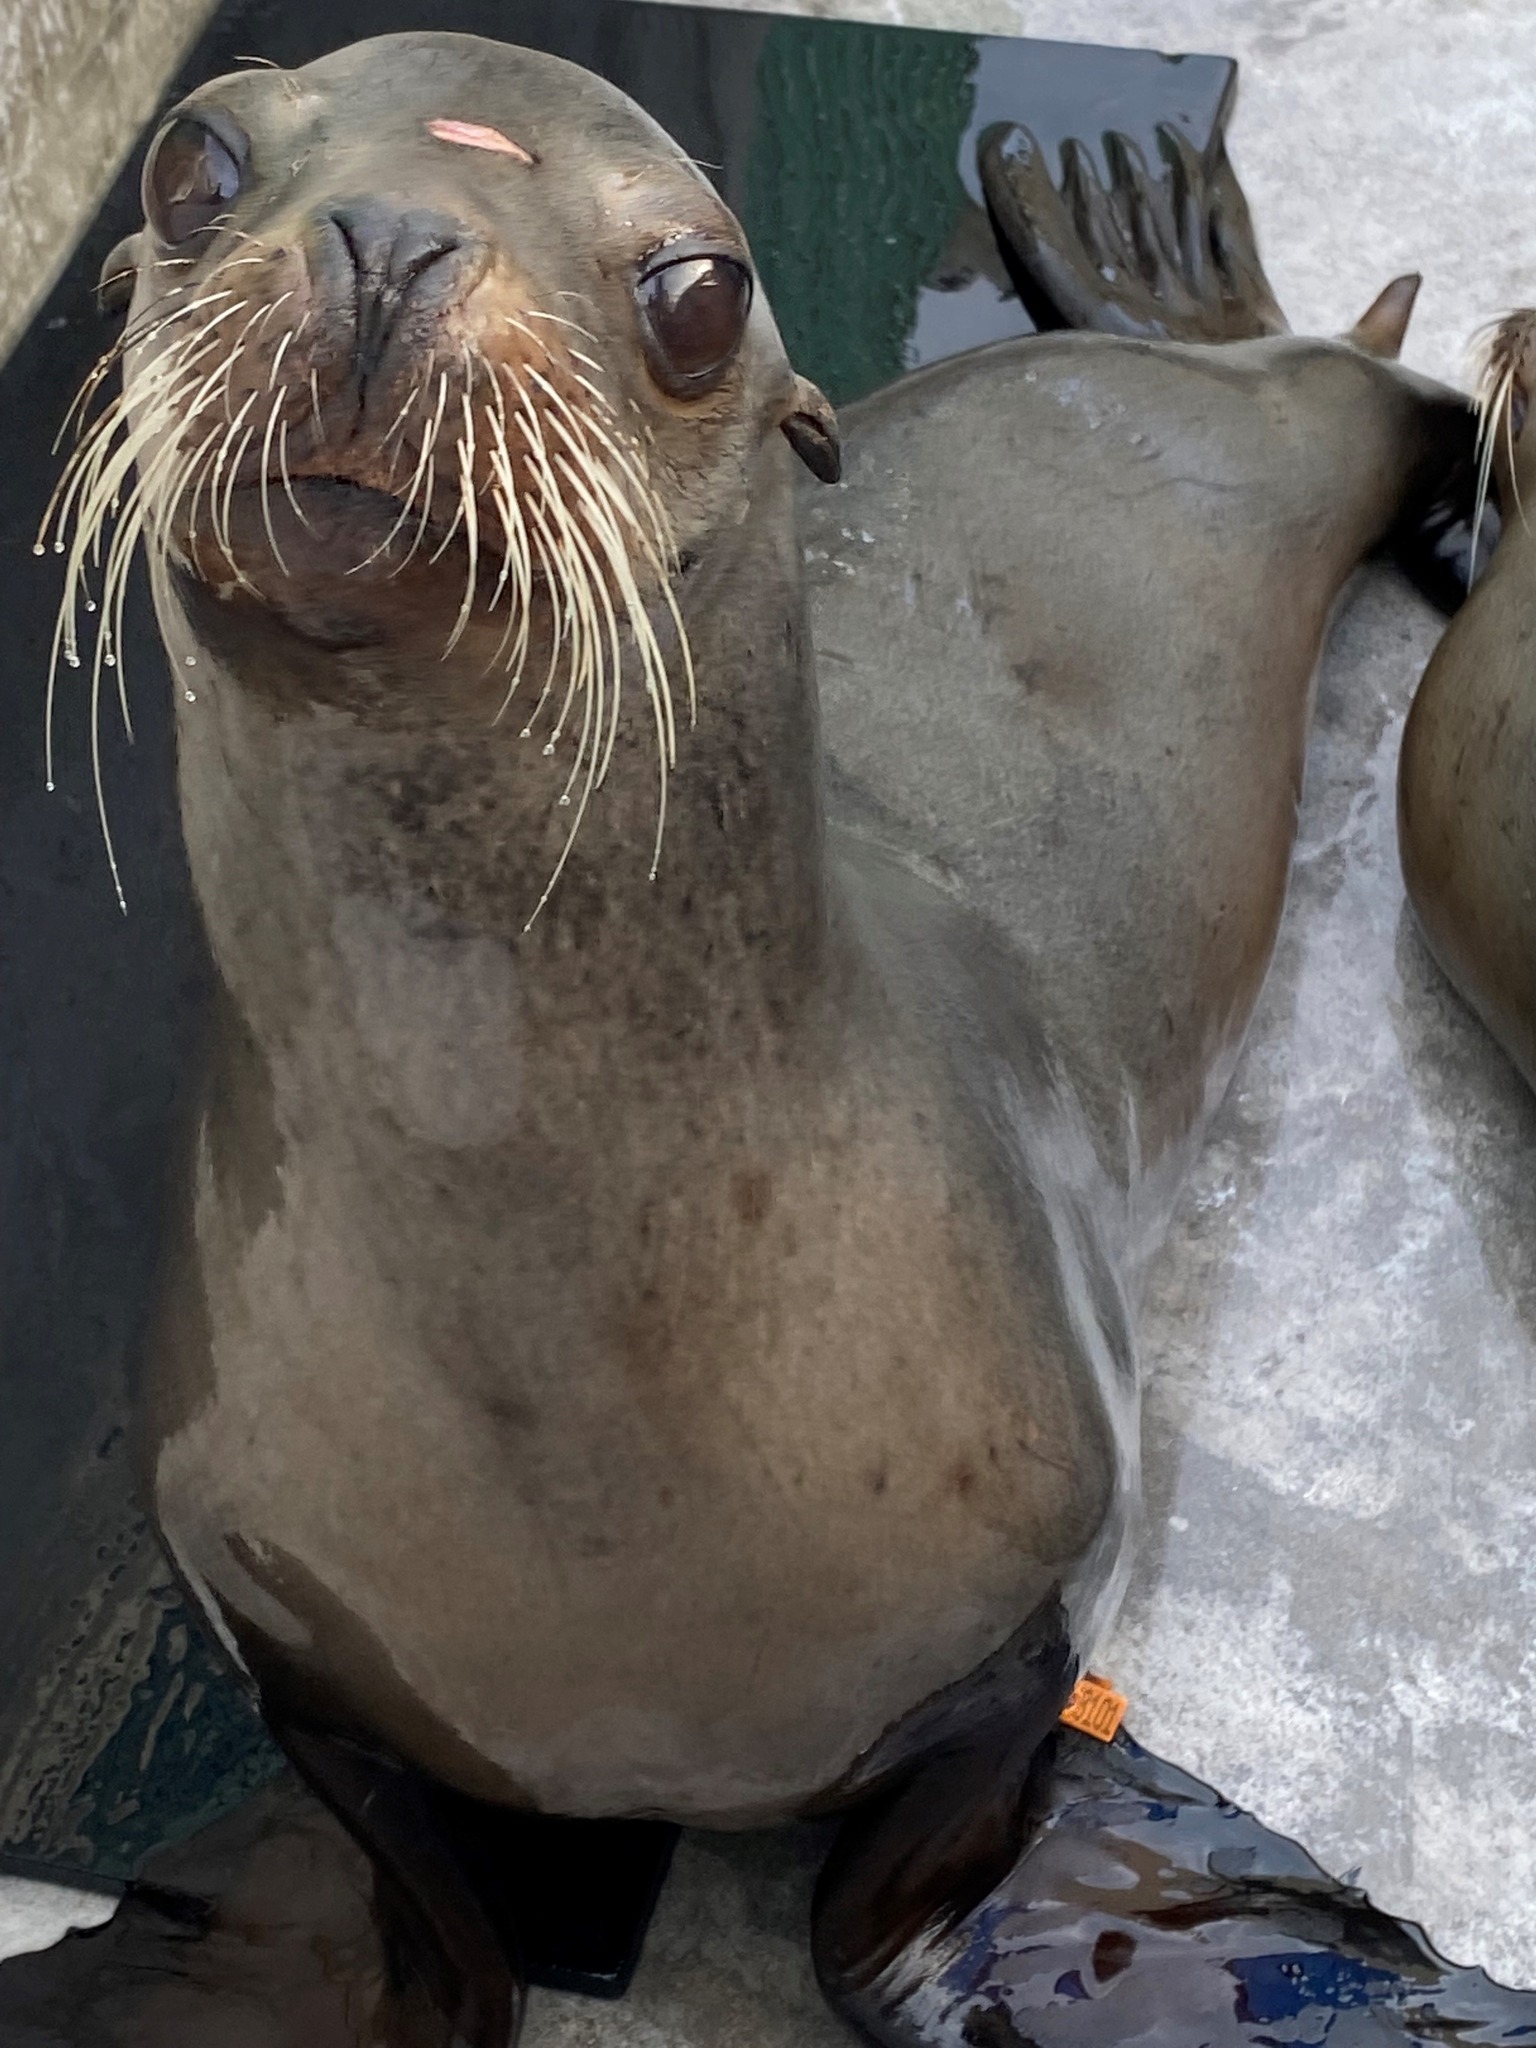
{"x": 338, "y": 525}
{"x": 337, "y": 563}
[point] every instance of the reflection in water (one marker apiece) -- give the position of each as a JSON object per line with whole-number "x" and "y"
{"x": 973, "y": 313}
{"x": 1148, "y": 1909}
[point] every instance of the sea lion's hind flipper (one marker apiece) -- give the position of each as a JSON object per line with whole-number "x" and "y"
{"x": 1383, "y": 326}
{"x": 1041, "y": 242}
{"x": 1169, "y": 256}
{"x": 1235, "y": 244}
{"x": 1142, "y": 1902}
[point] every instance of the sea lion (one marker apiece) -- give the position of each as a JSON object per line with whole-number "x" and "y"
{"x": 1466, "y": 790}
{"x": 648, "y": 1327}
{"x": 1175, "y": 258}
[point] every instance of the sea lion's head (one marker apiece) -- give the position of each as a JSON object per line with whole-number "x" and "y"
{"x": 1504, "y": 354}
{"x": 439, "y": 344}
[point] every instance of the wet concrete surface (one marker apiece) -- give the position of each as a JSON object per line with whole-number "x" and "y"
{"x": 1332, "y": 1615}
{"x": 78, "y": 79}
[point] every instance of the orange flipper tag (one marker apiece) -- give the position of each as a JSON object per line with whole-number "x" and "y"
{"x": 1095, "y": 1708}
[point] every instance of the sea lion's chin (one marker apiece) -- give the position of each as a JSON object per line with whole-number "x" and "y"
{"x": 336, "y": 563}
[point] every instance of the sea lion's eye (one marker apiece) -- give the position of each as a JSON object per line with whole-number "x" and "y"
{"x": 694, "y": 314}
{"x": 190, "y": 180}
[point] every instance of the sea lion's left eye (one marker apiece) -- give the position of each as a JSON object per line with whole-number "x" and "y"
{"x": 694, "y": 314}
{"x": 190, "y": 180}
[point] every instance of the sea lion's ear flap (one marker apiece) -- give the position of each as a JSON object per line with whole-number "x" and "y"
{"x": 1380, "y": 329}
{"x": 114, "y": 288}
{"x": 811, "y": 430}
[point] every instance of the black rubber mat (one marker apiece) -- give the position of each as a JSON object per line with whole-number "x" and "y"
{"x": 848, "y": 151}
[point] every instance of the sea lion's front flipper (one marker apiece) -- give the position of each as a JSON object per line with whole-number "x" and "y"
{"x": 270, "y": 1929}
{"x": 256, "y": 1933}
{"x": 444, "y": 1952}
{"x": 476, "y": 1899}
{"x": 1144, "y": 1906}
{"x": 1170, "y": 257}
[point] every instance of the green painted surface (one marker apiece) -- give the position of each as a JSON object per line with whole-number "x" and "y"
{"x": 853, "y": 188}
{"x": 188, "y": 1747}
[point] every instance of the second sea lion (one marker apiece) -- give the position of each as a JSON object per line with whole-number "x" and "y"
{"x": 1467, "y": 774}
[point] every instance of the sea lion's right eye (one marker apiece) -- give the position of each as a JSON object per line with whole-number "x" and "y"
{"x": 190, "y": 181}
{"x": 695, "y": 311}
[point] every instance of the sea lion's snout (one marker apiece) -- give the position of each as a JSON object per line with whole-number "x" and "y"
{"x": 387, "y": 259}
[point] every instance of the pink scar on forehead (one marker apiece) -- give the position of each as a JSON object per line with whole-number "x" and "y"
{"x": 470, "y": 135}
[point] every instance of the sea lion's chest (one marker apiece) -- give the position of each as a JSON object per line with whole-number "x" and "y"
{"x": 616, "y": 1470}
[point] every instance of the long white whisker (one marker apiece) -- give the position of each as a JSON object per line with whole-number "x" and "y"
{"x": 282, "y": 463}
{"x": 428, "y": 447}
{"x": 266, "y": 466}
{"x": 410, "y": 496}
{"x": 471, "y": 520}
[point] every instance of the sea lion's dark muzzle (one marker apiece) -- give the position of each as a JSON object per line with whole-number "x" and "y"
{"x": 381, "y": 260}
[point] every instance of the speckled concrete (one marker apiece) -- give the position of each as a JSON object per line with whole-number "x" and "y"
{"x": 1335, "y": 1610}
{"x": 78, "y": 79}
{"x": 1336, "y": 1603}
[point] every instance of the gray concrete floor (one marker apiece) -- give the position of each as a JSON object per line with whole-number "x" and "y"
{"x": 1333, "y": 1614}
{"x": 1335, "y": 1611}
{"x": 78, "y": 79}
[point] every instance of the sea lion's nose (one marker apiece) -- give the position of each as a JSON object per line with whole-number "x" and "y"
{"x": 390, "y": 250}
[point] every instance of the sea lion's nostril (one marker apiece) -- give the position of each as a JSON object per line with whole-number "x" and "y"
{"x": 390, "y": 250}
{"x": 422, "y": 239}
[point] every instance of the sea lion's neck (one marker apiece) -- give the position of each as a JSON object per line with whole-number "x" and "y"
{"x": 308, "y": 823}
